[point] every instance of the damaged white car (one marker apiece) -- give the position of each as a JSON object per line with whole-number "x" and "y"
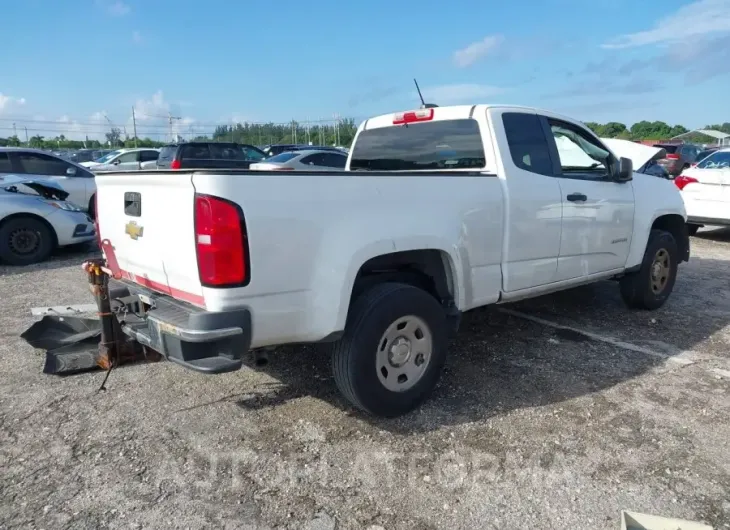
{"x": 35, "y": 219}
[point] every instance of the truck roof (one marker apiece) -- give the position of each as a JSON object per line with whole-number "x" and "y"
{"x": 455, "y": 112}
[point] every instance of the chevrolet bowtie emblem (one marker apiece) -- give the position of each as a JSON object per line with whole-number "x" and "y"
{"x": 133, "y": 230}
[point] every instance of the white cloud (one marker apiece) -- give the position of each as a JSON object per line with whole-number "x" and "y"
{"x": 93, "y": 127}
{"x": 477, "y": 50}
{"x": 116, "y": 8}
{"x": 459, "y": 93}
{"x": 9, "y": 103}
{"x": 154, "y": 119}
{"x": 137, "y": 37}
{"x": 696, "y": 20}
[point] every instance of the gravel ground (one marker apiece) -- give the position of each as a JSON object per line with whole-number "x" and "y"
{"x": 533, "y": 426}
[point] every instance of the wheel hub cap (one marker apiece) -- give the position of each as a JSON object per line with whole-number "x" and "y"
{"x": 404, "y": 352}
{"x": 23, "y": 241}
{"x": 659, "y": 271}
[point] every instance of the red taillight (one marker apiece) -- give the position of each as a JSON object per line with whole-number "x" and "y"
{"x": 413, "y": 116}
{"x": 672, "y": 157}
{"x": 220, "y": 242}
{"x": 682, "y": 180}
{"x": 175, "y": 164}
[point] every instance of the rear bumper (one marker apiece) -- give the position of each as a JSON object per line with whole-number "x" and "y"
{"x": 204, "y": 341}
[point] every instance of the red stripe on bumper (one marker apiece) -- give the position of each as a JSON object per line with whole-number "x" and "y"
{"x": 185, "y": 296}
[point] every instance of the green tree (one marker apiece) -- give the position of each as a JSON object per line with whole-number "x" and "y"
{"x": 36, "y": 141}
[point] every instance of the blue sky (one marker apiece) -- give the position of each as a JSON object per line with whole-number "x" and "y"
{"x": 67, "y": 65}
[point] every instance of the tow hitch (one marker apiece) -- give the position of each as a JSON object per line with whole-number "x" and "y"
{"x": 76, "y": 344}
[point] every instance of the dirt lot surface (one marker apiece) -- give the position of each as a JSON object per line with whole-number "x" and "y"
{"x": 558, "y": 414}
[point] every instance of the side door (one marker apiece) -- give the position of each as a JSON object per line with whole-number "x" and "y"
{"x": 598, "y": 212}
{"x": 533, "y": 203}
{"x": 72, "y": 179}
{"x": 127, "y": 161}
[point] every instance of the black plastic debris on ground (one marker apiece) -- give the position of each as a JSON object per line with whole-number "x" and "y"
{"x": 71, "y": 343}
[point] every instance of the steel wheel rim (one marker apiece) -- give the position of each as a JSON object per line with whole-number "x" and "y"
{"x": 404, "y": 353}
{"x": 660, "y": 267}
{"x": 24, "y": 241}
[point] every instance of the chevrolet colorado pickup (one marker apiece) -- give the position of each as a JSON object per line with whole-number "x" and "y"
{"x": 439, "y": 211}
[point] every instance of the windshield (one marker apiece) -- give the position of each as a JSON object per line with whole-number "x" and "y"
{"x": 717, "y": 160}
{"x": 106, "y": 158}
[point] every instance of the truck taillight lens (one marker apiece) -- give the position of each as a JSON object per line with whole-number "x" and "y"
{"x": 682, "y": 180}
{"x": 175, "y": 164}
{"x": 220, "y": 241}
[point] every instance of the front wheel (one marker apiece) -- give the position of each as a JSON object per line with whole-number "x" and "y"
{"x": 25, "y": 240}
{"x": 393, "y": 350}
{"x": 650, "y": 286}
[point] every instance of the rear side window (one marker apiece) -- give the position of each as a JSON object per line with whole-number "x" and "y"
{"x": 717, "y": 160}
{"x": 446, "y": 144}
{"x": 316, "y": 159}
{"x": 195, "y": 151}
{"x": 5, "y": 166}
{"x": 527, "y": 143}
{"x": 224, "y": 152}
{"x": 249, "y": 153}
{"x": 168, "y": 152}
{"x": 335, "y": 160}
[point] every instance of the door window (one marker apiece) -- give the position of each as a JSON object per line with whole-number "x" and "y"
{"x": 196, "y": 151}
{"x": 581, "y": 155}
{"x": 527, "y": 143}
{"x": 40, "y": 164}
{"x": 148, "y": 156}
{"x": 5, "y": 165}
{"x": 125, "y": 158}
{"x": 334, "y": 160}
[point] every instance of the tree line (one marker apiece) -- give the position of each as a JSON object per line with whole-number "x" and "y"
{"x": 340, "y": 133}
{"x": 652, "y": 130}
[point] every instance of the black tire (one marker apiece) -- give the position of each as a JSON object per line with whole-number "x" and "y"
{"x": 638, "y": 289}
{"x": 692, "y": 228}
{"x": 25, "y": 240}
{"x": 354, "y": 356}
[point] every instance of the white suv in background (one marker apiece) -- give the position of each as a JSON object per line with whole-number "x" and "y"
{"x": 705, "y": 189}
{"x": 125, "y": 160}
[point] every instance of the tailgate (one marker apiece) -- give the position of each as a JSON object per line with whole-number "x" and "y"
{"x": 149, "y": 220}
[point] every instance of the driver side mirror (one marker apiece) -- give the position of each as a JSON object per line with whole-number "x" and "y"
{"x": 116, "y": 162}
{"x": 625, "y": 171}
{"x": 70, "y": 171}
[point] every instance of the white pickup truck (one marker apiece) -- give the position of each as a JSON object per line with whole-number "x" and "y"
{"x": 439, "y": 211}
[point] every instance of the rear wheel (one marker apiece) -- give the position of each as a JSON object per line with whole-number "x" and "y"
{"x": 650, "y": 286}
{"x": 692, "y": 228}
{"x": 393, "y": 350}
{"x": 25, "y": 240}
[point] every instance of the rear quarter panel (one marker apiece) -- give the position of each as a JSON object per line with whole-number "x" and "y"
{"x": 309, "y": 234}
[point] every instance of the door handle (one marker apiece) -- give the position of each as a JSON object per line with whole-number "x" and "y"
{"x": 577, "y": 197}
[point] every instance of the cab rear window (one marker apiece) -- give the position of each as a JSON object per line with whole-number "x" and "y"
{"x": 433, "y": 145}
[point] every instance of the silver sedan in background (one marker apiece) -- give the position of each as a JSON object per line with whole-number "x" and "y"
{"x": 35, "y": 219}
{"x": 305, "y": 160}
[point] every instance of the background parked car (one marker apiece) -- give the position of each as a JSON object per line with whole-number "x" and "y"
{"x": 273, "y": 150}
{"x": 124, "y": 160}
{"x": 35, "y": 219}
{"x": 704, "y": 154}
{"x": 705, "y": 189}
{"x": 75, "y": 179}
{"x": 306, "y": 160}
{"x": 208, "y": 155}
{"x": 679, "y": 156}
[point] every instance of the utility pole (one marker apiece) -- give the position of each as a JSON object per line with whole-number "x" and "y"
{"x": 170, "y": 117}
{"x": 134, "y": 124}
{"x": 26, "y": 135}
{"x": 15, "y": 131}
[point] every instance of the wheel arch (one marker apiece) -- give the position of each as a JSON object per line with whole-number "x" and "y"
{"x": 675, "y": 225}
{"x": 21, "y": 215}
